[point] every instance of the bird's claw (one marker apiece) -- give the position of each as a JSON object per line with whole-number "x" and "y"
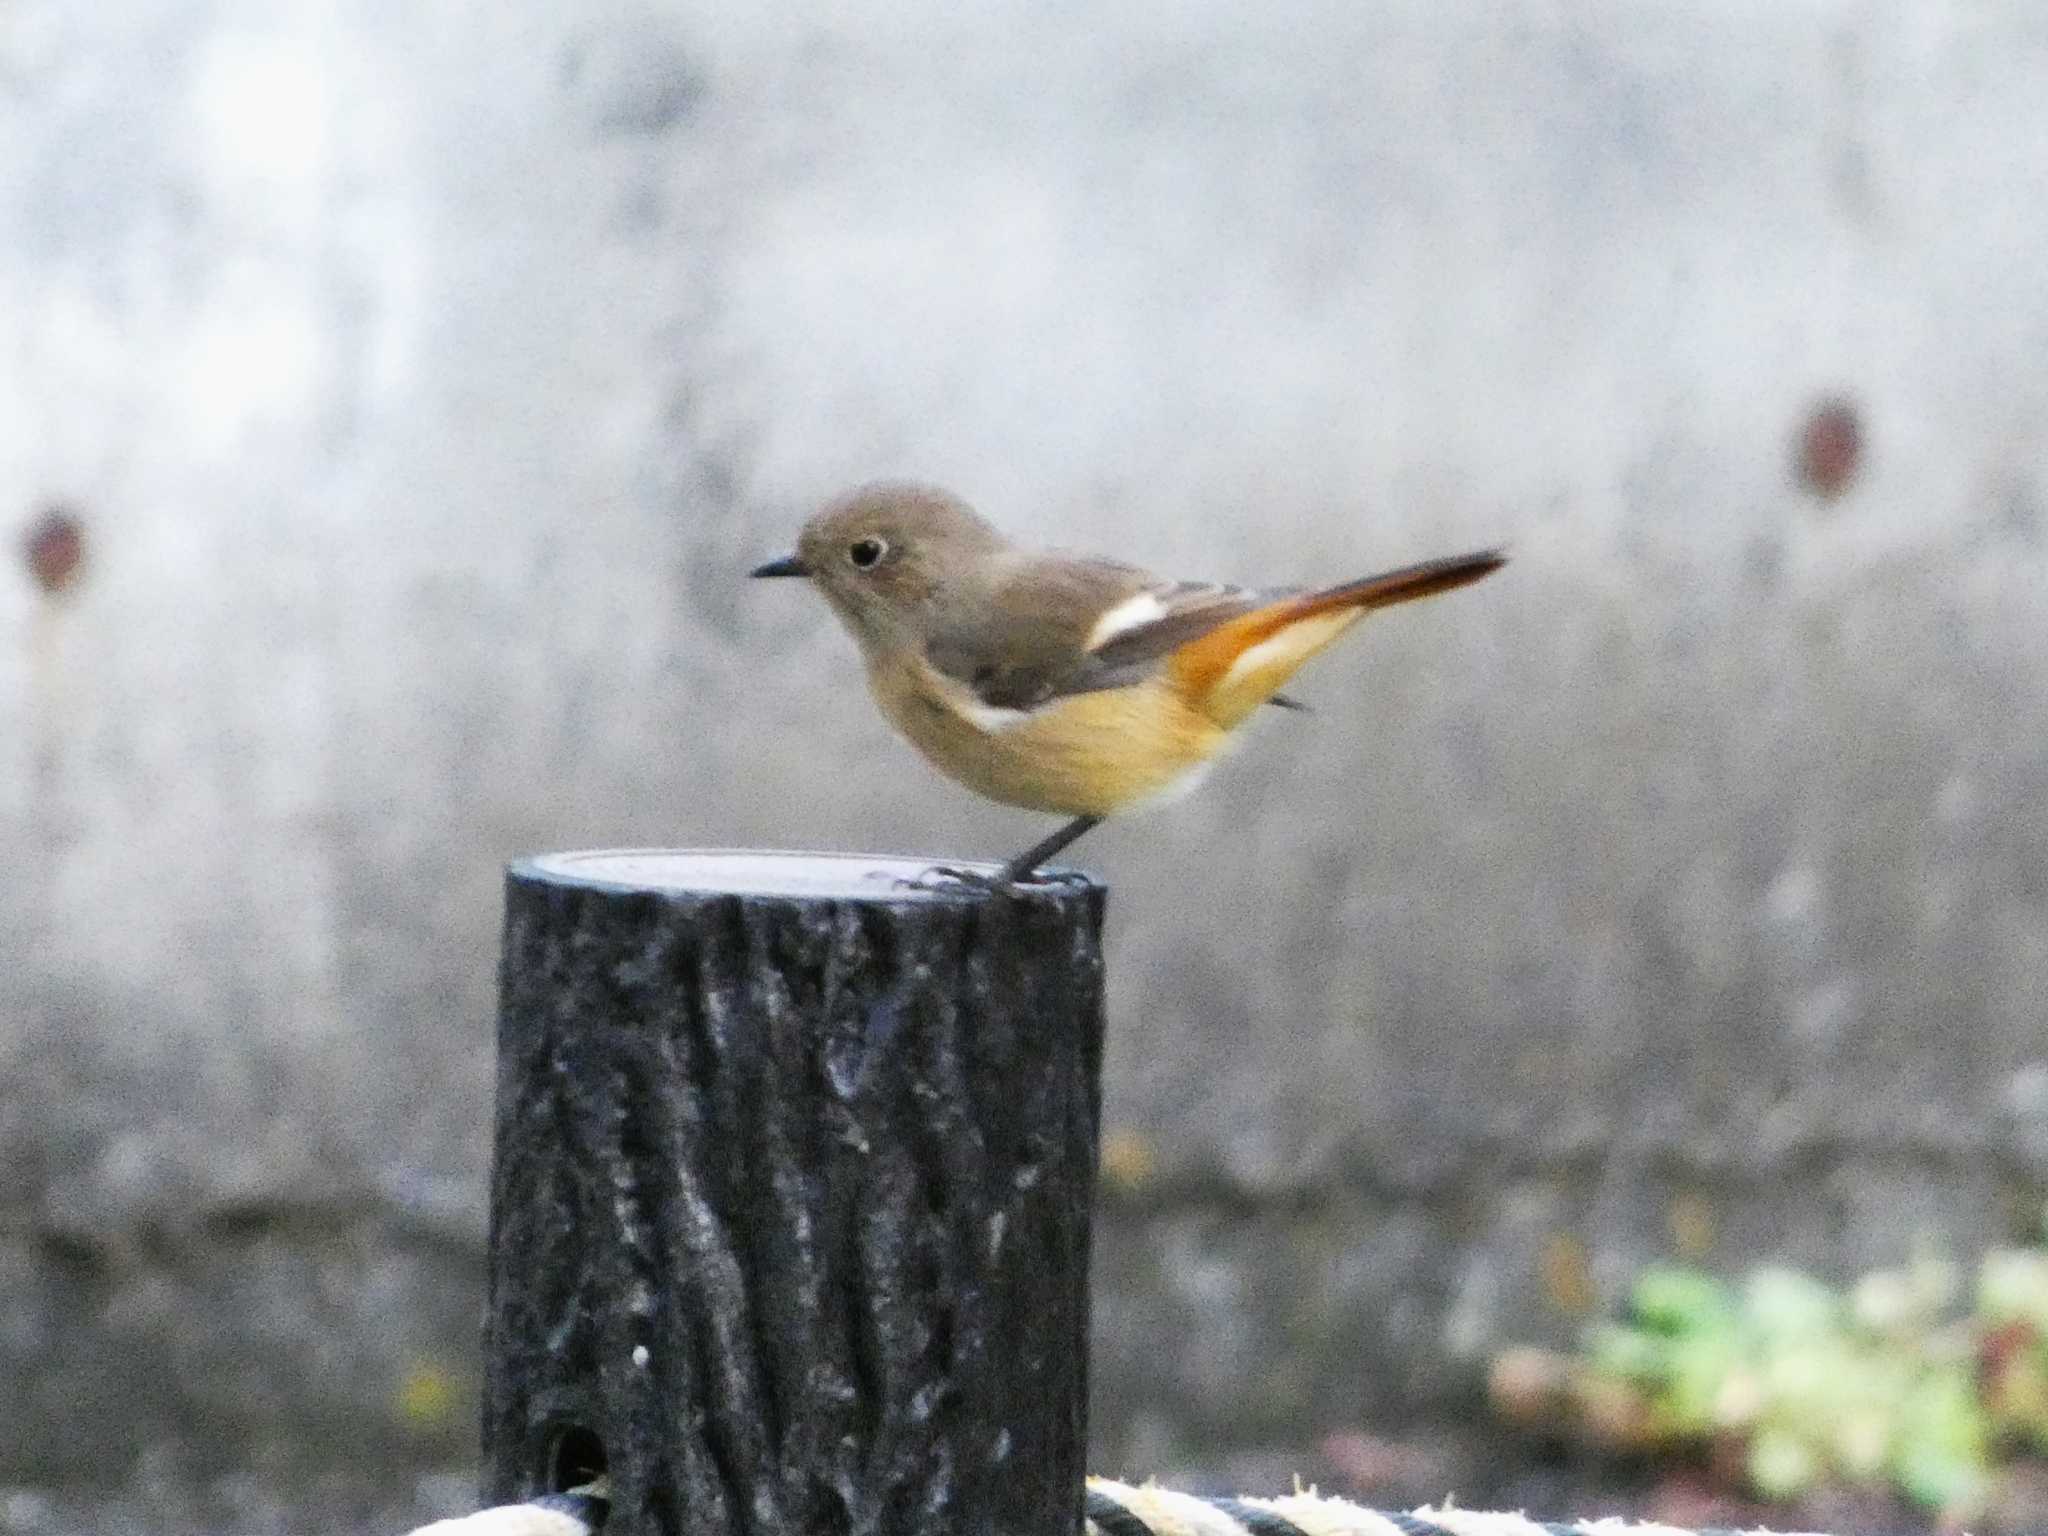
{"x": 940, "y": 876}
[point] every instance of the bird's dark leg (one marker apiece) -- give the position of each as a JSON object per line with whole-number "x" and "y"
{"x": 1016, "y": 871}
{"x": 1021, "y": 867}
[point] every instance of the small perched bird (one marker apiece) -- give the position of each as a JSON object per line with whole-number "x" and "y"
{"x": 1058, "y": 682}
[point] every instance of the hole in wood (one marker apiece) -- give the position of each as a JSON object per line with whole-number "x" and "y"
{"x": 575, "y": 1456}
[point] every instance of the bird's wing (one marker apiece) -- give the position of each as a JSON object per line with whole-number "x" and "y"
{"x": 1063, "y": 626}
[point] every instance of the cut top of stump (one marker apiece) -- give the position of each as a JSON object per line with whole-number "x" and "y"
{"x": 768, "y": 872}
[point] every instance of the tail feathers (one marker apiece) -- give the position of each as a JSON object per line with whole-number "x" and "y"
{"x": 1405, "y": 585}
{"x": 1236, "y": 667}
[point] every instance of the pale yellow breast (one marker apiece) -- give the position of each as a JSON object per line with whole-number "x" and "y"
{"x": 1091, "y": 754}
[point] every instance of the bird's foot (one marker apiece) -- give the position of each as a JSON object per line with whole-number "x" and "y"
{"x": 1065, "y": 879}
{"x": 945, "y": 876}
{"x": 942, "y": 876}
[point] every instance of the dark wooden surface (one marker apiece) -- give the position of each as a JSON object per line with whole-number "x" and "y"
{"x": 790, "y": 1208}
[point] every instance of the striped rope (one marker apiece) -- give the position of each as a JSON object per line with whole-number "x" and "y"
{"x": 1120, "y": 1509}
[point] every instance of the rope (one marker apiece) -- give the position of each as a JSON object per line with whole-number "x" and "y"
{"x": 1119, "y": 1509}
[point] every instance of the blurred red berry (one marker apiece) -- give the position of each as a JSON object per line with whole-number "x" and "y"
{"x": 54, "y": 549}
{"x": 1830, "y": 448}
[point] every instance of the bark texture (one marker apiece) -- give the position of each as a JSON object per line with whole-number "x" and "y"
{"x": 790, "y": 1208}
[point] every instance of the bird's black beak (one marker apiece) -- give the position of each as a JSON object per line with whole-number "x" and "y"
{"x": 788, "y": 565}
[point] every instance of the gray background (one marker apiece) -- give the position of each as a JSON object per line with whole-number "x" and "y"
{"x": 426, "y": 377}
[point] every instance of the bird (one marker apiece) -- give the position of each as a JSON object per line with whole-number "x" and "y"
{"x": 1062, "y": 682}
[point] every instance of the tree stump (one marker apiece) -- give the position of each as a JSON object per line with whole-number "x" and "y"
{"x": 791, "y": 1199}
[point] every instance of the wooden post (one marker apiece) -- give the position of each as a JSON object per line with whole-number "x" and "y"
{"x": 790, "y": 1207}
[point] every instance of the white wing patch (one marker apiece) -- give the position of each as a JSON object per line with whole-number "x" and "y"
{"x": 990, "y": 719}
{"x": 1132, "y": 613}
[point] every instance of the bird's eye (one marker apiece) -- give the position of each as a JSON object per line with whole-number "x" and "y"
{"x": 867, "y": 553}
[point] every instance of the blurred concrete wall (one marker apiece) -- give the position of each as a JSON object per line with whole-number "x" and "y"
{"x": 424, "y": 377}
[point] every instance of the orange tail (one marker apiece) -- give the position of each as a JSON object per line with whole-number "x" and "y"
{"x": 1236, "y": 667}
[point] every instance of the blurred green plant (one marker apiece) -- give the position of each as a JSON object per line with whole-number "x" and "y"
{"x": 1785, "y": 1385}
